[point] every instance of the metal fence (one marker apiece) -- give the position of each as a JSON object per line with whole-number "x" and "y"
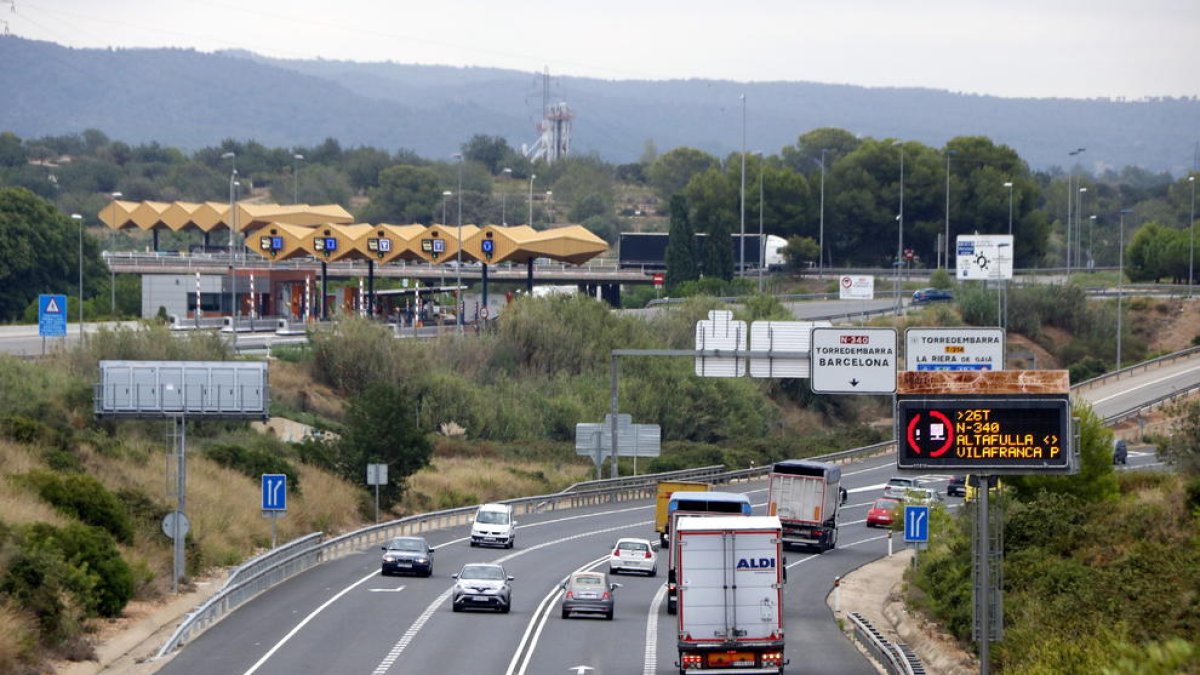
{"x": 896, "y": 659}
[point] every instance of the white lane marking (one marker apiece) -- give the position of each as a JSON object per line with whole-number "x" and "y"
{"x": 412, "y": 631}
{"x": 410, "y": 634}
{"x": 312, "y": 615}
{"x": 386, "y": 590}
{"x": 539, "y": 617}
{"x": 650, "y": 660}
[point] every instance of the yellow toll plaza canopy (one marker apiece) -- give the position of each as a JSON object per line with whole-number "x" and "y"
{"x": 209, "y": 216}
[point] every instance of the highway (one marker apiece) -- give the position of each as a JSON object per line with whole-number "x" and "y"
{"x": 344, "y": 617}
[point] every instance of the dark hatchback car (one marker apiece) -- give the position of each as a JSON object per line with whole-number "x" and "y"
{"x": 407, "y": 555}
{"x": 932, "y": 295}
{"x": 957, "y": 487}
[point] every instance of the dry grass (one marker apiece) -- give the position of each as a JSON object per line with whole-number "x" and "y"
{"x": 18, "y": 505}
{"x": 17, "y": 637}
{"x": 461, "y": 481}
{"x": 292, "y": 385}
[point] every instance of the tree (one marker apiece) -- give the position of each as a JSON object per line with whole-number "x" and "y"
{"x": 39, "y": 247}
{"x": 381, "y": 429}
{"x": 490, "y": 151}
{"x": 406, "y": 194}
{"x": 670, "y": 173}
{"x": 1096, "y": 480}
{"x": 12, "y": 153}
{"x": 800, "y": 252}
{"x": 681, "y": 246}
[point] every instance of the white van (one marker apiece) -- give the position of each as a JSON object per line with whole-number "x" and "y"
{"x": 494, "y": 526}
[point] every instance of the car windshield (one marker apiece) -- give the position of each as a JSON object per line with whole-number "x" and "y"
{"x": 488, "y": 572}
{"x": 587, "y": 581}
{"x": 885, "y": 503}
{"x": 632, "y": 546}
{"x": 492, "y": 518}
{"x": 406, "y": 545}
{"x": 900, "y": 482}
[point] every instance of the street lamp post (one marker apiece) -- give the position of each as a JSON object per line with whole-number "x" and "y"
{"x": 549, "y": 207}
{"x": 1091, "y": 262}
{"x": 1009, "y": 185}
{"x": 531, "y": 177}
{"x": 503, "y": 199}
{"x": 79, "y": 219}
{"x": 762, "y": 244}
{"x": 232, "y": 224}
{"x": 296, "y": 159}
{"x": 900, "y": 219}
{"x": 1070, "y": 199}
{"x": 445, "y": 195}
{"x": 458, "y": 300}
{"x": 821, "y": 235}
{"x": 1191, "y": 235}
{"x": 742, "y": 263}
{"x": 1120, "y": 281}
{"x": 946, "y": 243}
{"x": 1079, "y": 228}
{"x": 112, "y": 274}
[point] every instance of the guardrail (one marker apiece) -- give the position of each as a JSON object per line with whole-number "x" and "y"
{"x": 895, "y": 658}
{"x": 1136, "y": 368}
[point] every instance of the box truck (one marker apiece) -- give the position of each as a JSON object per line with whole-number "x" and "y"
{"x": 731, "y": 576}
{"x": 806, "y": 495}
{"x": 666, "y": 488}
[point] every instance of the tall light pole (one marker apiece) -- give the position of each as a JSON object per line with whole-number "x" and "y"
{"x": 531, "y": 177}
{"x": 1009, "y": 185}
{"x": 762, "y": 244}
{"x": 445, "y": 195}
{"x": 503, "y": 199}
{"x": 1091, "y": 262}
{"x": 821, "y": 232}
{"x": 112, "y": 274}
{"x": 549, "y": 207}
{"x": 742, "y": 264}
{"x": 1070, "y": 199}
{"x": 900, "y": 219}
{"x": 946, "y": 243}
{"x": 1191, "y": 235}
{"x": 1079, "y": 227}
{"x": 232, "y": 156}
{"x": 296, "y": 159}
{"x": 79, "y": 219}
{"x": 1120, "y": 282}
{"x": 458, "y": 301}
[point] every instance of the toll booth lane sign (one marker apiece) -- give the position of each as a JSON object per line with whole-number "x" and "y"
{"x": 984, "y": 435}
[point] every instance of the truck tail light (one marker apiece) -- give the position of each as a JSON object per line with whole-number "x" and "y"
{"x": 772, "y": 659}
{"x": 691, "y": 661}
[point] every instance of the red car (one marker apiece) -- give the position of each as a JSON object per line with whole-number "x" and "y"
{"x": 880, "y": 513}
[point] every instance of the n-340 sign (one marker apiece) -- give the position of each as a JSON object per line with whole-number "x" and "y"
{"x": 984, "y": 435}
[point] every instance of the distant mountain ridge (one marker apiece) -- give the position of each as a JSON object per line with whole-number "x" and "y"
{"x": 191, "y": 99}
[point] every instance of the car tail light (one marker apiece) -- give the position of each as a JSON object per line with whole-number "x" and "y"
{"x": 691, "y": 661}
{"x": 647, "y": 555}
{"x": 569, "y": 595}
{"x": 617, "y": 552}
{"x": 606, "y": 596}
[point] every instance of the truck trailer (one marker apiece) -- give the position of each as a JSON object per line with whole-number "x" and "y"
{"x": 806, "y": 496}
{"x": 697, "y": 504}
{"x": 731, "y": 576}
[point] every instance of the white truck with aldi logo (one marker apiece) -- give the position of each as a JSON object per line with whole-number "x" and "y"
{"x": 731, "y": 573}
{"x": 806, "y": 496}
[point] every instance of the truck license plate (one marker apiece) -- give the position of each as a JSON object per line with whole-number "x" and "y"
{"x": 734, "y": 659}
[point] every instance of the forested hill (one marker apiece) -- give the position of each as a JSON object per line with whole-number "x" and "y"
{"x": 190, "y": 99}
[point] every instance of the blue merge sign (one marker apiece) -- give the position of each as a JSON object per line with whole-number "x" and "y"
{"x": 52, "y": 315}
{"x": 274, "y": 492}
{"x": 916, "y": 524}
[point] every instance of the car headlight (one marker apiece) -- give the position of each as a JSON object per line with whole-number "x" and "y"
{"x": 422, "y": 561}
{"x": 389, "y": 558}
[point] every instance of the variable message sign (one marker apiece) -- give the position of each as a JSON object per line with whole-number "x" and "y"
{"x": 982, "y": 435}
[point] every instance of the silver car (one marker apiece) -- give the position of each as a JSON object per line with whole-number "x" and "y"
{"x": 588, "y": 593}
{"x": 482, "y": 585}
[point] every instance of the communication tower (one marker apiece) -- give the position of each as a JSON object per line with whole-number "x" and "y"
{"x": 554, "y": 129}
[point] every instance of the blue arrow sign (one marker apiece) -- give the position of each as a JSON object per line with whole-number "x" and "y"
{"x": 916, "y": 524}
{"x": 274, "y": 492}
{"x": 52, "y": 315}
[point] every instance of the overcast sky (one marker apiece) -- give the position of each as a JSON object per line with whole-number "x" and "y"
{"x": 1012, "y": 48}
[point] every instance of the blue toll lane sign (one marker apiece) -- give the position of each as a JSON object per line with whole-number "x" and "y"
{"x": 52, "y": 315}
{"x": 274, "y": 492}
{"x": 916, "y": 524}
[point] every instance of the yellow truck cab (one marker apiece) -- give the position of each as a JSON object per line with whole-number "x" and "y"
{"x": 666, "y": 488}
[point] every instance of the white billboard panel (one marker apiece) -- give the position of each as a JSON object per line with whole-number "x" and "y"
{"x": 853, "y": 360}
{"x": 856, "y": 287}
{"x": 956, "y": 348}
{"x": 721, "y": 332}
{"x": 781, "y": 336}
{"x": 984, "y": 256}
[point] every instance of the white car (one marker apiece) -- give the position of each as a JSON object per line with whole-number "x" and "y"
{"x": 493, "y": 525}
{"x": 922, "y": 495}
{"x": 633, "y": 555}
{"x": 898, "y": 485}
